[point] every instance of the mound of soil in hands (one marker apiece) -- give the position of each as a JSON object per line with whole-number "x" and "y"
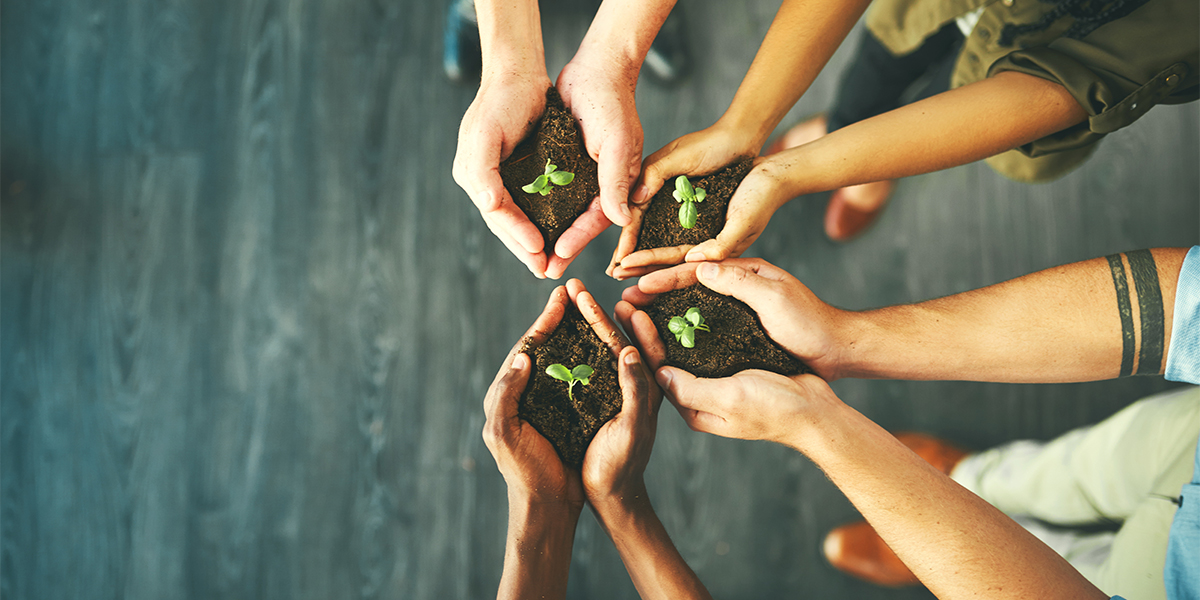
{"x": 555, "y": 138}
{"x": 737, "y": 341}
{"x": 660, "y": 224}
{"x": 570, "y": 424}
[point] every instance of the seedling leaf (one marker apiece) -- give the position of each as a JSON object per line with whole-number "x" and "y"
{"x": 688, "y": 338}
{"x": 684, "y": 187}
{"x": 687, "y": 215}
{"x": 559, "y": 372}
{"x": 676, "y": 325}
{"x": 582, "y": 372}
{"x": 693, "y": 316}
{"x": 561, "y": 178}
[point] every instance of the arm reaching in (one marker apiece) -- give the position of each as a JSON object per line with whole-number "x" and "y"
{"x": 544, "y": 496}
{"x": 615, "y": 462}
{"x": 1097, "y": 319}
{"x": 598, "y": 87}
{"x": 955, "y": 543}
{"x": 511, "y": 97}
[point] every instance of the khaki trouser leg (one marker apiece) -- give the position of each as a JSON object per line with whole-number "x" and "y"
{"x": 1124, "y": 470}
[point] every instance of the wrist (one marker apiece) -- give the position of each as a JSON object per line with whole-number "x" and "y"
{"x": 620, "y": 509}
{"x": 529, "y": 512}
{"x": 747, "y": 126}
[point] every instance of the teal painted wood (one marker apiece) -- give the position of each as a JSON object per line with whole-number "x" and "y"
{"x": 248, "y": 319}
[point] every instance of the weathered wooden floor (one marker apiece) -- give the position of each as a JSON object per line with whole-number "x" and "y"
{"x": 248, "y": 318}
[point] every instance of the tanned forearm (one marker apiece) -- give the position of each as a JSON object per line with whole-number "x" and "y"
{"x": 1091, "y": 320}
{"x": 802, "y": 38}
{"x": 537, "y": 555}
{"x": 958, "y": 545}
{"x": 654, "y": 564}
{"x": 950, "y": 129}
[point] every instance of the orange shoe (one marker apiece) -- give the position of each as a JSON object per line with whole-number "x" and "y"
{"x": 806, "y": 131}
{"x": 857, "y": 550}
{"x": 852, "y": 209}
{"x": 943, "y": 455}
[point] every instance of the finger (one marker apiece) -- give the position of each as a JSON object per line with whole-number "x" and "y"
{"x": 636, "y": 297}
{"x": 666, "y": 280}
{"x": 500, "y": 403}
{"x": 689, "y": 391}
{"x": 546, "y": 322}
{"x": 534, "y": 261}
{"x": 628, "y": 240}
{"x": 701, "y": 421}
{"x": 599, "y": 321}
{"x": 585, "y": 228}
{"x": 750, "y": 210}
{"x": 761, "y": 294}
{"x": 655, "y": 169}
{"x": 617, "y": 167}
{"x": 635, "y": 389}
{"x": 649, "y": 341}
{"x": 622, "y": 273}
{"x": 671, "y": 255}
{"x": 509, "y": 217}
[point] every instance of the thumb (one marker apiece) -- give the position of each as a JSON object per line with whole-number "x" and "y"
{"x": 635, "y": 390}
{"x": 759, "y": 292}
{"x": 503, "y": 397}
{"x": 655, "y": 170}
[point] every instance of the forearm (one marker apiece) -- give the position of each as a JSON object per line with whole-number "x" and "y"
{"x": 653, "y": 562}
{"x": 537, "y": 555}
{"x": 958, "y": 545}
{"x": 802, "y": 38}
{"x": 621, "y": 34}
{"x": 510, "y": 38}
{"x": 950, "y": 129}
{"x": 1077, "y": 322}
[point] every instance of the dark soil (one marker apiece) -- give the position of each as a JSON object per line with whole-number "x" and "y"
{"x": 660, "y": 224}
{"x": 571, "y": 425}
{"x": 556, "y": 138}
{"x": 737, "y": 341}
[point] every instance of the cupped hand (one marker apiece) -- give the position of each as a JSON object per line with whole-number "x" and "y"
{"x": 791, "y": 314}
{"x": 602, "y": 101}
{"x": 530, "y": 466}
{"x": 497, "y": 120}
{"x": 695, "y": 154}
{"x": 760, "y": 194}
{"x": 618, "y": 455}
{"x": 750, "y": 405}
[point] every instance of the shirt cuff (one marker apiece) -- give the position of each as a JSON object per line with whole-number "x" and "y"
{"x": 1183, "y": 358}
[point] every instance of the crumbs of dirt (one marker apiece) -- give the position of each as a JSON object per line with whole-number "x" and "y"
{"x": 555, "y": 138}
{"x": 737, "y": 341}
{"x": 660, "y": 224}
{"x": 571, "y": 425}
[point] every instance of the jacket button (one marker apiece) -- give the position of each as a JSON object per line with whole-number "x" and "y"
{"x": 1172, "y": 79}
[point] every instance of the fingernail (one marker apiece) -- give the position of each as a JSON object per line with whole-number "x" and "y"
{"x": 520, "y": 361}
{"x": 631, "y": 358}
{"x": 695, "y": 256}
{"x": 641, "y": 195}
{"x": 709, "y": 270}
{"x": 664, "y": 377}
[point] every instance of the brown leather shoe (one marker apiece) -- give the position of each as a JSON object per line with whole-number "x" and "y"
{"x": 852, "y": 209}
{"x": 857, "y": 550}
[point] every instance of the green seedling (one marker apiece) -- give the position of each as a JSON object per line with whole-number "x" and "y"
{"x": 581, "y": 374}
{"x": 688, "y": 198}
{"x": 541, "y": 185}
{"x": 685, "y": 327}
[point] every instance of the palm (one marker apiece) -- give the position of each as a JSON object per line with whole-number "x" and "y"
{"x": 543, "y": 471}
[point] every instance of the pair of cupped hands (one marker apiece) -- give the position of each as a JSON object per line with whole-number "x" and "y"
{"x": 601, "y": 98}
{"x": 752, "y": 404}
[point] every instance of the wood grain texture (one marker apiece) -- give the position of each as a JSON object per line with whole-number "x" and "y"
{"x": 248, "y": 318}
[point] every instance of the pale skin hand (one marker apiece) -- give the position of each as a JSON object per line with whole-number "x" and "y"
{"x": 511, "y": 97}
{"x": 544, "y": 496}
{"x": 957, "y": 545}
{"x": 790, "y": 313}
{"x": 953, "y": 128}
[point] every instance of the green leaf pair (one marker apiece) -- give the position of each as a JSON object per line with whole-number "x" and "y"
{"x": 581, "y": 374}
{"x": 685, "y": 327}
{"x": 688, "y": 198}
{"x": 541, "y": 185}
